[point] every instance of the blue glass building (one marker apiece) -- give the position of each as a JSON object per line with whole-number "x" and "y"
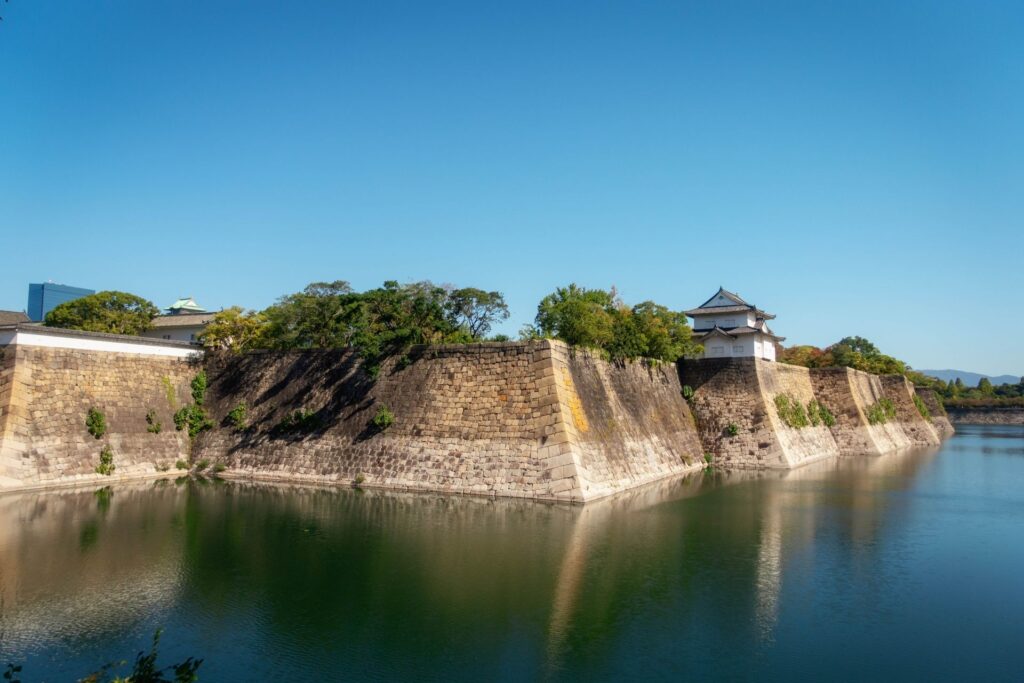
{"x": 43, "y": 298}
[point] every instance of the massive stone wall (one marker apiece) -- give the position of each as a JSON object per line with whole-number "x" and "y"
{"x": 628, "y": 423}
{"x": 738, "y": 395}
{"x": 986, "y": 415}
{"x": 939, "y": 418}
{"x": 900, "y": 391}
{"x": 512, "y": 419}
{"x": 46, "y": 393}
{"x": 849, "y": 395}
{"x": 741, "y": 393}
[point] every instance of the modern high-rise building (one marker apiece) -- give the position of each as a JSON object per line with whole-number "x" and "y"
{"x": 43, "y": 298}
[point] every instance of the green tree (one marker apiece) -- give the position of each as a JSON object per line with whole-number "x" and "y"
{"x": 985, "y": 386}
{"x": 475, "y": 310}
{"x": 235, "y": 330}
{"x": 319, "y": 317}
{"x": 113, "y": 312}
{"x": 577, "y": 315}
{"x": 598, "y": 319}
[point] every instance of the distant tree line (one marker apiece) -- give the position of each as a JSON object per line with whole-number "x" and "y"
{"x": 861, "y": 354}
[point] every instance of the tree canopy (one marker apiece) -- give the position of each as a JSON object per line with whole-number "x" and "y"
{"x": 598, "y": 319}
{"x": 377, "y": 323}
{"x": 109, "y": 311}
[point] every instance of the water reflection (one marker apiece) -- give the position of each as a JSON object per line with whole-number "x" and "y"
{"x": 296, "y": 582}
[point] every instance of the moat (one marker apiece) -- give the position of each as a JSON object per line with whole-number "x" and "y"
{"x": 905, "y": 566}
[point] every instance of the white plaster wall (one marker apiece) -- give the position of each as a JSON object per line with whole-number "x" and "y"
{"x": 185, "y": 334}
{"x": 33, "y": 338}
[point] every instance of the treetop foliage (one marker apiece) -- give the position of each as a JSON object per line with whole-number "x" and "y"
{"x": 109, "y": 311}
{"x": 861, "y": 354}
{"x": 598, "y": 319}
{"x": 377, "y": 323}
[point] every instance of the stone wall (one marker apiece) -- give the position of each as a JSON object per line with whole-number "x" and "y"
{"x": 510, "y": 419}
{"x": 741, "y": 392}
{"x": 849, "y": 394}
{"x": 46, "y": 393}
{"x": 628, "y": 423}
{"x": 939, "y": 418}
{"x": 900, "y": 391}
{"x": 987, "y": 415}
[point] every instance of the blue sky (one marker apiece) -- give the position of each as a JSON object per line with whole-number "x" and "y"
{"x": 856, "y": 168}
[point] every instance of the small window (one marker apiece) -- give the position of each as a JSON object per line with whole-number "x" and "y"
{"x": 738, "y": 348}
{"x": 192, "y": 337}
{"x": 167, "y": 336}
{"x": 730, "y": 322}
{"x": 717, "y": 350}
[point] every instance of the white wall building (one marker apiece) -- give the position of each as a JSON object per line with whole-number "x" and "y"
{"x": 729, "y": 327}
{"x": 184, "y": 321}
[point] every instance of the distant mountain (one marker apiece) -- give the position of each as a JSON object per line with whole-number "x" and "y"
{"x": 970, "y": 379}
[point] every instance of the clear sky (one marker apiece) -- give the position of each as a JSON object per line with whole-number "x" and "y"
{"x": 855, "y": 168}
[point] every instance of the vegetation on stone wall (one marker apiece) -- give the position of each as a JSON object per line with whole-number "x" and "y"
{"x": 598, "y": 319}
{"x": 172, "y": 397}
{"x": 732, "y": 429}
{"x": 818, "y": 414}
{"x": 384, "y": 418}
{"x": 153, "y": 426}
{"x": 922, "y": 408}
{"x": 302, "y": 420}
{"x": 109, "y": 311}
{"x": 238, "y": 417}
{"x": 791, "y": 411}
{"x": 96, "y": 423}
{"x": 378, "y": 323}
{"x": 193, "y": 417}
{"x": 106, "y": 465}
{"x": 881, "y": 412}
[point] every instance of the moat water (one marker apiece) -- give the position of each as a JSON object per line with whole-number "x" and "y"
{"x": 903, "y": 567}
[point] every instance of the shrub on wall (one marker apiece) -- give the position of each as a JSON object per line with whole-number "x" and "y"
{"x": 791, "y": 411}
{"x": 881, "y": 412}
{"x": 302, "y": 420}
{"x": 199, "y": 388}
{"x": 687, "y": 392}
{"x": 238, "y": 417}
{"x": 818, "y": 414}
{"x": 384, "y": 418}
{"x": 153, "y": 425}
{"x": 922, "y": 408}
{"x": 106, "y": 466}
{"x": 192, "y": 418}
{"x": 732, "y": 429}
{"x": 96, "y": 423}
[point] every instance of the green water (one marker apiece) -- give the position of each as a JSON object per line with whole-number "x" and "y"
{"x": 904, "y": 567}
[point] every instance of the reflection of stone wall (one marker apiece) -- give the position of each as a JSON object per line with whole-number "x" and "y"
{"x": 513, "y": 419}
{"x": 45, "y": 394}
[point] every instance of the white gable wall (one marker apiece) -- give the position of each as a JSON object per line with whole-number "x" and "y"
{"x": 744, "y": 346}
{"x": 706, "y": 322}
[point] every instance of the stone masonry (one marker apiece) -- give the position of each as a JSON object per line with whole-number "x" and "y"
{"x": 46, "y": 393}
{"x": 738, "y": 394}
{"x": 508, "y": 419}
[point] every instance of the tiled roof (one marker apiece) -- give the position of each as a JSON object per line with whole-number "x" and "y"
{"x": 183, "y": 320}
{"x": 734, "y": 332}
{"x": 9, "y": 317}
